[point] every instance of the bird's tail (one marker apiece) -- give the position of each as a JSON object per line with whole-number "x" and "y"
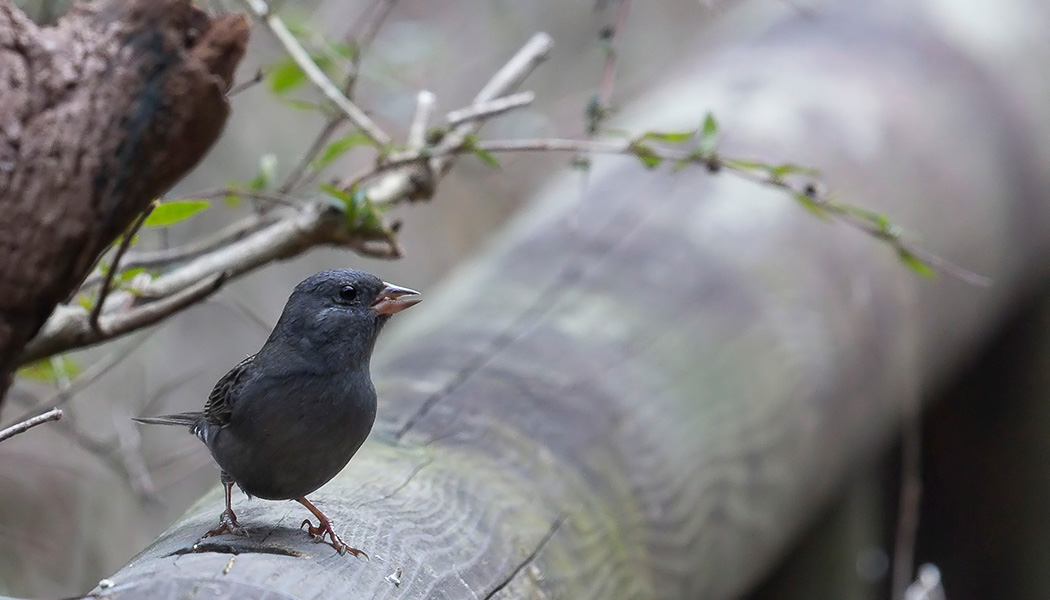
{"x": 186, "y": 419}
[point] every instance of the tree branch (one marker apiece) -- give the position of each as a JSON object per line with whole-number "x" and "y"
{"x": 69, "y": 328}
{"x": 24, "y": 426}
{"x": 284, "y": 232}
{"x": 492, "y": 108}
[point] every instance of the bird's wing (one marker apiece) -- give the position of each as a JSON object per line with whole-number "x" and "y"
{"x": 223, "y": 396}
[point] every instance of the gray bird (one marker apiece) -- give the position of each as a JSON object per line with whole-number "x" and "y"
{"x": 286, "y": 420}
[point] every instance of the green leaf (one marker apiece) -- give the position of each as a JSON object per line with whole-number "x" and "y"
{"x": 124, "y": 280}
{"x": 170, "y": 213}
{"x": 471, "y": 143}
{"x": 267, "y": 175}
{"x": 813, "y": 207}
{"x": 791, "y": 169}
{"x": 748, "y": 165}
{"x": 648, "y": 157}
{"x": 285, "y": 76}
{"x": 709, "y": 135}
{"x": 48, "y": 369}
{"x": 915, "y": 263}
{"x": 341, "y": 195}
{"x": 344, "y": 50}
{"x": 669, "y": 137}
{"x": 128, "y": 275}
{"x": 338, "y": 148}
{"x": 342, "y": 200}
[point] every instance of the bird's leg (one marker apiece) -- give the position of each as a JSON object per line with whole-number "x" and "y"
{"x": 228, "y": 520}
{"x": 324, "y": 526}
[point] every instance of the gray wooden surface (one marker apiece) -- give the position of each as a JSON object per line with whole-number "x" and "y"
{"x": 646, "y": 390}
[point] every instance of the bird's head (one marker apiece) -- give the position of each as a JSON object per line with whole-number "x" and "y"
{"x": 339, "y": 313}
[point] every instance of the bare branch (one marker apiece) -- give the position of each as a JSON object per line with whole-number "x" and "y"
{"x": 132, "y": 462}
{"x": 534, "y": 52}
{"x": 90, "y": 375}
{"x": 294, "y": 232}
{"x": 24, "y": 426}
{"x": 246, "y": 84}
{"x": 492, "y": 108}
{"x": 369, "y": 26}
{"x": 314, "y": 73}
{"x": 524, "y": 62}
{"x": 310, "y": 225}
{"x": 417, "y": 131}
{"x": 416, "y": 178}
{"x": 849, "y": 215}
{"x": 151, "y": 259}
{"x": 68, "y": 327}
{"x": 296, "y": 175}
{"x": 605, "y": 89}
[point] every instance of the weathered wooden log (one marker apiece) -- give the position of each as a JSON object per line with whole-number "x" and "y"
{"x": 98, "y": 115}
{"x": 644, "y": 390}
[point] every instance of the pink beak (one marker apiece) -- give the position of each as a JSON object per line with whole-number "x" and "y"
{"x": 393, "y": 299}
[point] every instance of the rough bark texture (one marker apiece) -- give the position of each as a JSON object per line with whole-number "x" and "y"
{"x": 99, "y": 115}
{"x": 646, "y": 390}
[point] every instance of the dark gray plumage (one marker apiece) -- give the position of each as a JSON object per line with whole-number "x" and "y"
{"x": 286, "y": 420}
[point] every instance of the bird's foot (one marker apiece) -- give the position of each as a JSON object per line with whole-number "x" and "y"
{"x": 323, "y": 528}
{"x": 227, "y": 524}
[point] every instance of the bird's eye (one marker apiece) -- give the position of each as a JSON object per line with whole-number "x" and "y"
{"x": 347, "y": 294}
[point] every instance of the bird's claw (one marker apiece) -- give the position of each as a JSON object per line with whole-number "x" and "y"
{"x": 325, "y": 528}
{"x": 227, "y": 524}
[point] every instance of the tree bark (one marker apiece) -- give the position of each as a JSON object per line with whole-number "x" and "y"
{"x": 99, "y": 115}
{"x": 647, "y": 388}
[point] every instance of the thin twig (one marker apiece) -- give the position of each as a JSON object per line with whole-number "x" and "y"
{"x": 153, "y": 259}
{"x": 133, "y": 463}
{"x": 510, "y": 76}
{"x": 331, "y": 126}
{"x": 91, "y": 374}
{"x": 605, "y": 89}
{"x": 404, "y": 183}
{"x": 264, "y": 196}
{"x": 24, "y": 426}
{"x": 369, "y": 26}
{"x": 125, "y": 243}
{"x": 314, "y": 73}
{"x": 417, "y": 129}
{"x": 712, "y": 163}
{"x": 295, "y": 176}
{"x": 246, "y": 84}
{"x": 492, "y": 108}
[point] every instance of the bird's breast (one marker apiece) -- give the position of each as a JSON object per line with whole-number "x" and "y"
{"x": 296, "y": 436}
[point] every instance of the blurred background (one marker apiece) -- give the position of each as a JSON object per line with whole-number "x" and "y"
{"x": 79, "y": 499}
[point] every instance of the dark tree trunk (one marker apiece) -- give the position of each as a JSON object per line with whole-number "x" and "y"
{"x": 98, "y": 115}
